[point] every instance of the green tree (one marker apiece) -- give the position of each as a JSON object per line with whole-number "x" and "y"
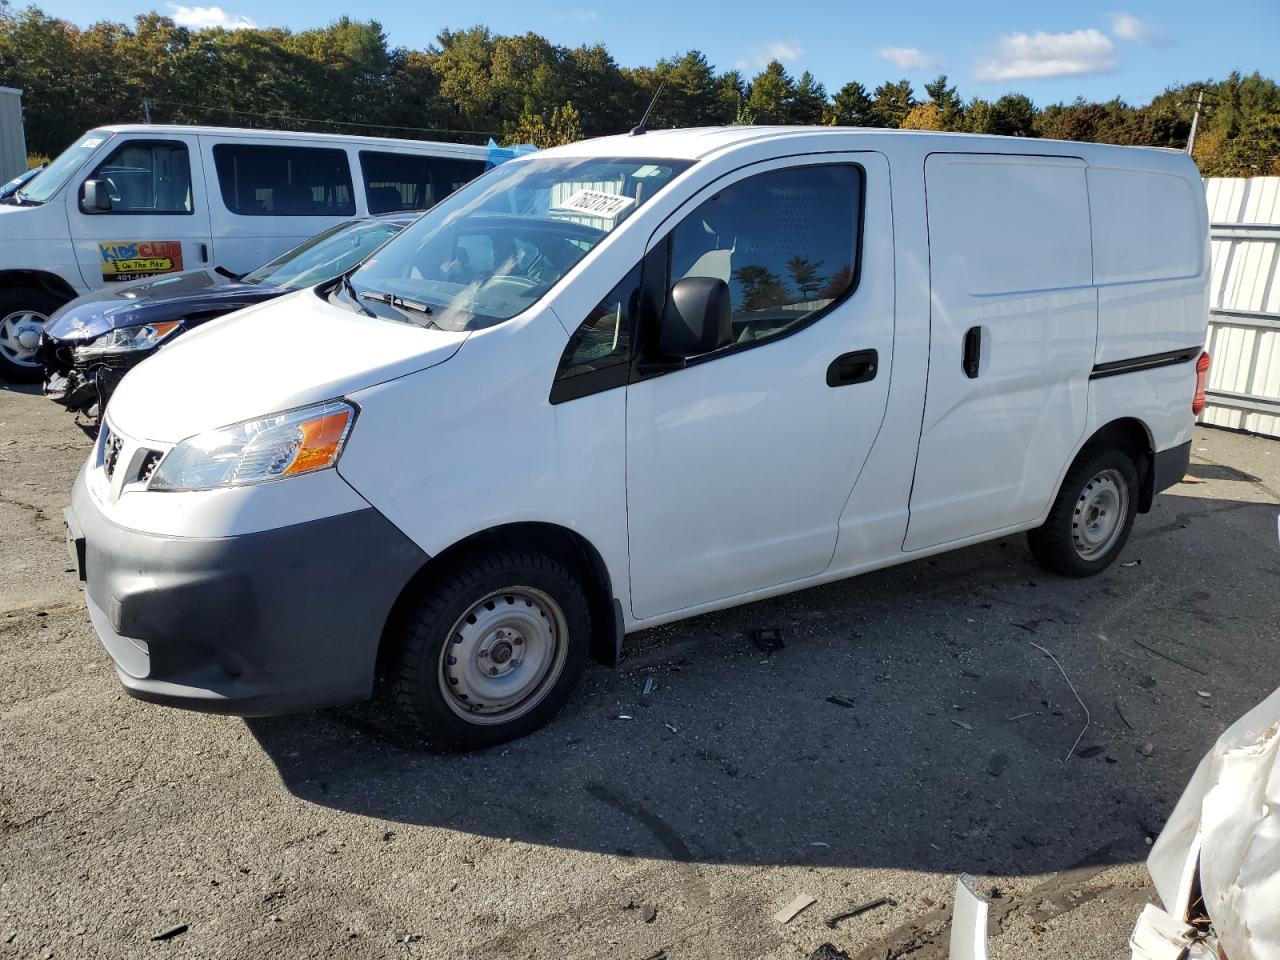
{"x": 950, "y": 106}
{"x": 892, "y": 102}
{"x": 772, "y": 94}
{"x": 805, "y": 276}
{"x": 852, "y": 107}
{"x": 761, "y": 287}
{"x": 809, "y": 102}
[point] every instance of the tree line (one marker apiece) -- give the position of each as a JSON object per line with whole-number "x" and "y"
{"x": 473, "y": 84}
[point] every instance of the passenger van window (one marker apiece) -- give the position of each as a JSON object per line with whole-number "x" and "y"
{"x": 146, "y": 176}
{"x": 263, "y": 181}
{"x": 403, "y": 181}
{"x": 786, "y": 243}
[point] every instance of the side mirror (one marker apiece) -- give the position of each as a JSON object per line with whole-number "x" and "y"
{"x": 696, "y": 319}
{"x": 95, "y": 198}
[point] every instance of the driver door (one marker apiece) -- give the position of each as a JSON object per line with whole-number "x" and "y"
{"x": 739, "y": 463}
{"x": 157, "y": 222}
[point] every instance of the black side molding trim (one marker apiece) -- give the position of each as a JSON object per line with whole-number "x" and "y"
{"x": 1170, "y": 466}
{"x": 1149, "y": 362}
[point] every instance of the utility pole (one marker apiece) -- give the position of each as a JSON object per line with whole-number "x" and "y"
{"x": 1195, "y": 122}
{"x": 146, "y": 114}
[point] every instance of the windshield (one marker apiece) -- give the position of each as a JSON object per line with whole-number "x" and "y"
{"x": 325, "y": 255}
{"x": 53, "y": 176}
{"x": 500, "y": 243}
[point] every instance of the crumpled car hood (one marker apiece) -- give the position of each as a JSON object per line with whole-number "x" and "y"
{"x": 1233, "y": 802}
{"x": 172, "y": 297}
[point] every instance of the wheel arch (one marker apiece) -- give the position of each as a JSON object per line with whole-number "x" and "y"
{"x": 567, "y": 546}
{"x": 46, "y": 280}
{"x": 1133, "y": 437}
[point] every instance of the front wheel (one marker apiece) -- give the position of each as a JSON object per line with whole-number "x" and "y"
{"x": 1092, "y": 517}
{"x": 492, "y": 650}
{"x": 24, "y": 311}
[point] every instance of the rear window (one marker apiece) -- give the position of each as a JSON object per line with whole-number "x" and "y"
{"x": 404, "y": 181}
{"x": 264, "y": 181}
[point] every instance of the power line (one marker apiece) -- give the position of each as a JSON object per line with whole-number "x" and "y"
{"x": 335, "y": 123}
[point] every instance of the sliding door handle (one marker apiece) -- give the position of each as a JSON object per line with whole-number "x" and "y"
{"x": 972, "y": 361}
{"x": 857, "y": 367}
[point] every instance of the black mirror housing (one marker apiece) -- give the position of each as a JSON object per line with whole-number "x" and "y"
{"x": 696, "y": 319}
{"x": 94, "y": 197}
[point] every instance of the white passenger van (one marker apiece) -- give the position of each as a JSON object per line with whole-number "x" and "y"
{"x": 630, "y": 380}
{"x": 125, "y": 202}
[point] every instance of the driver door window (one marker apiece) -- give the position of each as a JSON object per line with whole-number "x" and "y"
{"x": 147, "y": 177}
{"x": 785, "y": 242}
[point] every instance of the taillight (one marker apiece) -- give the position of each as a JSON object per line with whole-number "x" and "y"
{"x": 1202, "y": 382}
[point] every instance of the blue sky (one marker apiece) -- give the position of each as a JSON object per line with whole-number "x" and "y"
{"x": 1050, "y": 51}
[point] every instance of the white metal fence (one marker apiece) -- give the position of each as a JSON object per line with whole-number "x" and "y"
{"x": 1244, "y": 314}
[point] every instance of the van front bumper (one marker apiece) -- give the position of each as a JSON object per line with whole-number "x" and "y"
{"x": 273, "y": 622}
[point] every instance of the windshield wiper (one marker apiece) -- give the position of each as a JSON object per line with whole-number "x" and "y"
{"x": 355, "y": 297}
{"x": 400, "y": 303}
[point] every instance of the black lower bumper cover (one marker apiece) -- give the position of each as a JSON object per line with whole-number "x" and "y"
{"x": 274, "y": 622}
{"x": 1170, "y": 466}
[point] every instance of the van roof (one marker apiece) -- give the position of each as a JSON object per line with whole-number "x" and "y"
{"x": 695, "y": 143}
{"x": 232, "y": 132}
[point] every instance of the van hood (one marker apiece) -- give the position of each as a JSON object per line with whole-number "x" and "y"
{"x": 286, "y": 353}
{"x": 176, "y": 296}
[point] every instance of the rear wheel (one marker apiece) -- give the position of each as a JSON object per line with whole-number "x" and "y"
{"x": 24, "y": 311}
{"x": 1092, "y": 517}
{"x": 492, "y": 650}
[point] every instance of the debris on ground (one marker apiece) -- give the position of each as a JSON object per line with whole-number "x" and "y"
{"x": 841, "y": 701}
{"x": 172, "y": 932}
{"x": 648, "y": 686}
{"x": 1204, "y": 693}
{"x": 801, "y": 903}
{"x": 828, "y": 952}
{"x": 1120, "y": 713}
{"x": 962, "y": 725}
{"x": 1020, "y": 716}
{"x": 1171, "y": 659}
{"x": 859, "y": 910}
{"x": 648, "y": 912}
{"x": 767, "y": 639}
{"x": 671, "y": 727}
{"x": 1147, "y": 749}
{"x": 997, "y": 763}
{"x": 1084, "y": 753}
{"x": 1132, "y": 563}
{"x": 657, "y": 955}
{"x": 1087, "y": 718}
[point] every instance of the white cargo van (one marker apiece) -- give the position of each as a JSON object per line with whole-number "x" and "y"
{"x": 125, "y": 202}
{"x": 634, "y": 379}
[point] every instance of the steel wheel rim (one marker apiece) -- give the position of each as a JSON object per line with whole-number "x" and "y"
{"x": 1099, "y": 514}
{"x": 20, "y": 336}
{"x": 503, "y": 655}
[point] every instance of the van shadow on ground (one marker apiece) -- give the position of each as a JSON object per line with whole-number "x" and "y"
{"x": 944, "y": 752}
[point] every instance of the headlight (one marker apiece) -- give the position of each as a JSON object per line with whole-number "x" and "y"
{"x": 128, "y": 339}
{"x": 281, "y": 445}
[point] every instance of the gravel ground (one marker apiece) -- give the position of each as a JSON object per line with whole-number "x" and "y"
{"x": 735, "y": 785}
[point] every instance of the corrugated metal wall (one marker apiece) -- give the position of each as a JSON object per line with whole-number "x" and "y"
{"x": 1244, "y": 315}
{"x": 13, "y": 143}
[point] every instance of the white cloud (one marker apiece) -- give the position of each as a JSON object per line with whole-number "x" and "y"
{"x": 782, "y": 50}
{"x": 908, "y": 58}
{"x": 1034, "y": 56}
{"x": 1128, "y": 27}
{"x": 201, "y": 18}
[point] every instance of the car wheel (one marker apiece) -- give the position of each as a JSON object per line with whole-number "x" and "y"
{"x": 1091, "y": 518}
{"x": 492, "y": 650}
{"x": 24, "y": 311}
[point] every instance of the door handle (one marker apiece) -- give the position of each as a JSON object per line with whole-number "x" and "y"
{"x": 972, "y": 352}
{"x": 204, "y": 253}
{"x": 857, "y": 367}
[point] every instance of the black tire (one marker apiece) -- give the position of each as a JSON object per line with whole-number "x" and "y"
{"x": 1061, "y": 544}
{"x": 418, "y": 673}
{"x": 15, "y": 300}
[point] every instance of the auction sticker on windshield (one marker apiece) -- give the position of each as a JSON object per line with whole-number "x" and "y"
{"x": 595, "y": 203}
{"x": 134, "y": 259}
